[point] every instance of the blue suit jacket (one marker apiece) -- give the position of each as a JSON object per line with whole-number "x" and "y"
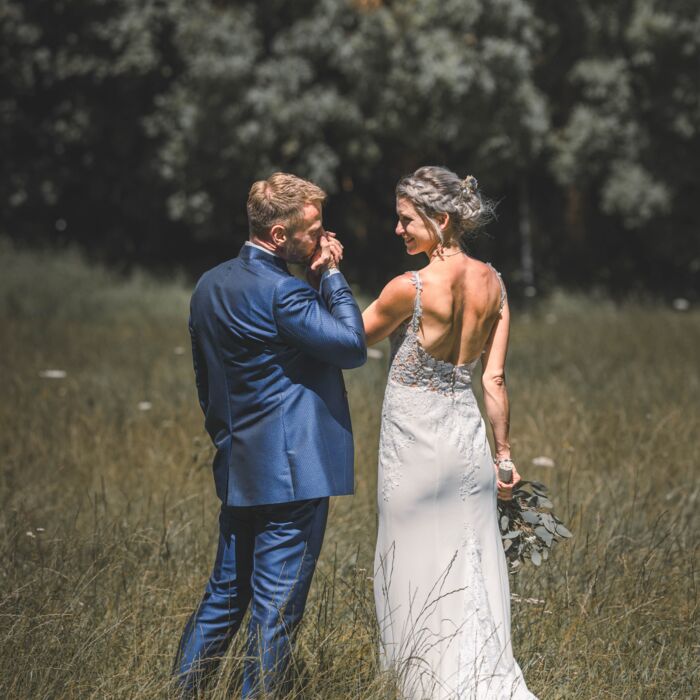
{"x": 268, "y": 351}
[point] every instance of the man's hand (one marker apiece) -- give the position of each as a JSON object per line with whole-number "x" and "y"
{"x": 328, "y": 255}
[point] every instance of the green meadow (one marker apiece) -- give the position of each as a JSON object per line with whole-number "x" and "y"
{"x": 108, "y": 516}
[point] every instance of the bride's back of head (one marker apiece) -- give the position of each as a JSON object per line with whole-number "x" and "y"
{"x": 435, "y": 190}
{"x": 459, "y": 302}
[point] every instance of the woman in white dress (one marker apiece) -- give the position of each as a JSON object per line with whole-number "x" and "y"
{"x": 441, "y": 579}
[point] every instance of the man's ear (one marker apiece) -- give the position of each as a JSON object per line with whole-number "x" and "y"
{"x": 278, "y": 235}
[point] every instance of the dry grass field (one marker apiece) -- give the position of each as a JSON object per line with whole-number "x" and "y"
{"x": 108, "y": 512}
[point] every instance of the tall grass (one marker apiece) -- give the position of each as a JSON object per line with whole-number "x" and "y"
{"x": 108, "y": 513}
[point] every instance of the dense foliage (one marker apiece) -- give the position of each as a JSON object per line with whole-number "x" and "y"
{"x": 136, "y": 128}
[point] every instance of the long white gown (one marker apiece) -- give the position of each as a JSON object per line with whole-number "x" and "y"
{"x": 441, "y": 580}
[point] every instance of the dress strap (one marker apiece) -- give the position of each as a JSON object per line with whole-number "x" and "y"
{"x": 503, "y": 287}
{"x": 417, "y": 306}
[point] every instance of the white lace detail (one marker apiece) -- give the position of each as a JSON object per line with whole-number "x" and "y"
{"x": 467, "y": 483}
{"x": 484, "y": 671}
{"x": 503, "y": 287}
{"x": 412, "y": 368}
{"x": 478, "y": 638}
{"x": 417, "y": 303}
{"x": 394, "y": 438}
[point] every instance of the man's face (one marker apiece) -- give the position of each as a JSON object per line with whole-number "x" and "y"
{"x": 301, "y": 244}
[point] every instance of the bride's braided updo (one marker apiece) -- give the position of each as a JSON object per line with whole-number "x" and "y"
{"x": 433, "y": 190}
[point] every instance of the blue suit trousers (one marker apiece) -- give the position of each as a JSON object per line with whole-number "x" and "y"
{"x": 265, "y": 559}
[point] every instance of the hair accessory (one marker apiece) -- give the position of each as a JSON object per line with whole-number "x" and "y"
{"x": 470, "y": 184}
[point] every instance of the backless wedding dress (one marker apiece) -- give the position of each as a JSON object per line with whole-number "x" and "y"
{"x": 441, "y": 580}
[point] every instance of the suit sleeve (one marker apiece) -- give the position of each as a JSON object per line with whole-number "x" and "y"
{"x": 327, "y": 326}
{"x": 200, "y": 369}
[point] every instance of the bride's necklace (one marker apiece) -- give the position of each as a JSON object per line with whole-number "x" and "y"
{"x": 437, "y": 254}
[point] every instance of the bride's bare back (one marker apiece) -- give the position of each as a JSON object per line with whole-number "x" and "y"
{"x": 461, "y": 300}
{"x": 463, "y": 319}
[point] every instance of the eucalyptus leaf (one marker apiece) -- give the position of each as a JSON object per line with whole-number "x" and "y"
{"x": 504, "y": 522}
{"x": 536, "y": 557}
{"x": 549, "y": 522}
{"x": 532, "y": 517}
{"x": 563, "y": 531}
{"x": 544, "y": 534}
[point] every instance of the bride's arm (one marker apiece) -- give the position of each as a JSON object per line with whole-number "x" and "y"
{"x": 389, "y": 309}
{"x": 493, "y": 380}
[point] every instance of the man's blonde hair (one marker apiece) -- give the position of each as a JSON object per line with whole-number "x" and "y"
{"x": 280, "y": 200}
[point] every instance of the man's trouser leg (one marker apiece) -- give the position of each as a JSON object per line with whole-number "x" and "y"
{"x": 212, "y": 626}
{"x": 287, "y": 545}
{"x": 268, "y": 553}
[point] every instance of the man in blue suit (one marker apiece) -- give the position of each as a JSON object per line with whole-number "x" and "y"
{"x": 268, "y": 350}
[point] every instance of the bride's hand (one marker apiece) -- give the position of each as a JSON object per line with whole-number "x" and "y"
{"x": 328, "y": 254}
{"x": 505, "y": 491}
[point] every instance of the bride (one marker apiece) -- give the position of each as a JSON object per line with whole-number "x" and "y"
{"x": 441, "y": 580}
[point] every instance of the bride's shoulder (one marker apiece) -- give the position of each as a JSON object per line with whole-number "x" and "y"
{"x": 481, "y": 272}
{"x": 479, "y": 266}
{"x": 393, "y": 306}
{"x": 400, "y": 291}
{"x": 485, "y": 278}
{"x": 403, "y": 285}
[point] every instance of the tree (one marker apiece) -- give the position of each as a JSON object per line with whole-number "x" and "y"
{"x": 628, "y": 141}
{"x": 351, "y": 95}
{"x": 136, "y": 128}
{"x": 78, "y": 78}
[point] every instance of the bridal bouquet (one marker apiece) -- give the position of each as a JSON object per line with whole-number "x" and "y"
{"x": 528, "y": 529}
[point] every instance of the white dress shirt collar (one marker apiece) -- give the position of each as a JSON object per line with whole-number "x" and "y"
{"x": 264, "y": 250}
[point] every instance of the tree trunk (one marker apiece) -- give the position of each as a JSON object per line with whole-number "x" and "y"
{"x": 527, "y": 269}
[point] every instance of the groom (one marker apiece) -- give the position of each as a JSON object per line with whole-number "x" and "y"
{"x": 268, "y": 350}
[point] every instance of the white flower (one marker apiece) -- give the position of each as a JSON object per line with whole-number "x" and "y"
{"x": 145, "y": 405}
{"x": 531, "y": 601}
{"x": 53, "y": 374}
{"x": 543, "y": 462}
